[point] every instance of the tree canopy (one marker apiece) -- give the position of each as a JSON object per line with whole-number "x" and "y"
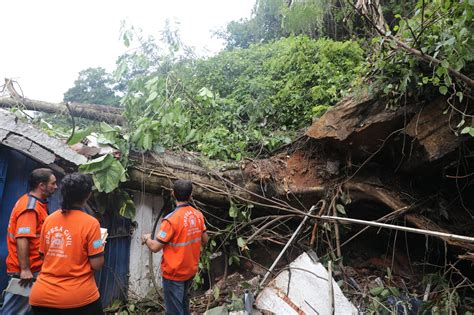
{"x": 94, "y": 86}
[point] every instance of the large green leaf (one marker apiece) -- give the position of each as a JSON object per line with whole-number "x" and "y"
{"x": 147, "y": 140}
{"x": 102, "y": 201}
{"x": 109, "y": 178}
{"x": 340, "y": 208}
{"x": 108, "y": 134}
{"x": 106, "y": 172}
{"x": 97, "y": 165}
{"x": 79, "y": 135}
{"x": 105, "y": 127}
{"x": 127, "y": 208}
{"x": 117, "y": 200}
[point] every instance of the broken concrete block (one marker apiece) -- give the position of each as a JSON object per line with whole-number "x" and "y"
{"x": 220, "y": 310}
{"x": 306, "y": 291}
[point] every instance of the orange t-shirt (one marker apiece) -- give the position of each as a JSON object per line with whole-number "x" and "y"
{"x": 181, "y": 232}
{"x": 26, "y": 220}
{"x": 66, "y": 280}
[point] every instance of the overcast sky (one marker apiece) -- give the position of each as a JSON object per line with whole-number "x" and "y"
{"x": 45, "y": 43}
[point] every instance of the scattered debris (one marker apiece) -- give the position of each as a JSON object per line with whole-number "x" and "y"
{"x": 219, "y": 310}
{"x": 302, "y": 288}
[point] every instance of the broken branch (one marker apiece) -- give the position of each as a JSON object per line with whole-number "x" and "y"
{"x": 401, "y": 228}
{"x": 286, "y": 247}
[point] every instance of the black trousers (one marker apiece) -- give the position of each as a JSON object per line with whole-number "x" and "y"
{"x": 95, "y": 308}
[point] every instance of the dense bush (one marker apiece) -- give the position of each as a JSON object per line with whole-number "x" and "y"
{"x": 244, "y": 101}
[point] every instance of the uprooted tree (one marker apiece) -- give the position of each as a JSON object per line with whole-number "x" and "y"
{"x": 402, "y": 163}
{"x": 359, "y": 136}
{"x": 395, "y": 145}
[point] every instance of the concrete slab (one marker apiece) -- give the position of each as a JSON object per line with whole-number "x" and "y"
{"x": 306, "y": 291}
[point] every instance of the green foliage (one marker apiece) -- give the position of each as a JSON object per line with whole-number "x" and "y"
{"x": 236, "y": 303}
{"x": 441, "y": 29}
{"x": 263, "y": 26}
{"x": 319, "y": 110}
{"x": 127, "y": 207}
{"x": 117, "y": 138}
{"x": 242, "y": 102}
{"x": 204, "y": 262}
{"x": 273, "y": 19}
{"x": 447, "y": 299}
{"x": 151, "y": 304}
{"x": 95, "y": 86}
{"x": 79, "y": 135}
{"x": 283, "y": 80}
{"x": 306, "y": 17}
{"x": 239, "y": 214}
{"x": 117, "y": 200}
{"x": 444, "y": 297}
{"x": 106, "y": 172}
{"x": 60, "y": 126}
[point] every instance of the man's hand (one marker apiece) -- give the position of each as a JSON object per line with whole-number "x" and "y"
{"x": 26, "y": 278}
{"x": 145, "y": 237}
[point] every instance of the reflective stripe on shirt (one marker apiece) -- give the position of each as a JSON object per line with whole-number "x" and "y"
{"x": 185, "y": 243}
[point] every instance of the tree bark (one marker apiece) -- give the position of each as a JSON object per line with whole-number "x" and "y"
{"x": 214, "y": 185}
{"x": 218, "y": 187}
{"x": 108, "y": 114}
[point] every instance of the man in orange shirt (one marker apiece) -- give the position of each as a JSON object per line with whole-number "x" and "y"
{"x": 182, "y": 232}
{"x": 24, "y": 228}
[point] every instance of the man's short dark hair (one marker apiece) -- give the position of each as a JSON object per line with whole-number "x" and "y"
{"x": 182, "y": 189}
{"x": 38, "y": 176}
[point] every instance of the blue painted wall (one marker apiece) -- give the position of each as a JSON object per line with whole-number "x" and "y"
{"x": 113, "y": 278}
{"x": 15, "y": 168}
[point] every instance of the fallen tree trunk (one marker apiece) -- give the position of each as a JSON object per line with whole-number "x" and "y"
{"x": 213, "y": 185}
{"x": 218, "y": 187}
{"x": 108, "y": 114}
{"x": 286, "y": 182}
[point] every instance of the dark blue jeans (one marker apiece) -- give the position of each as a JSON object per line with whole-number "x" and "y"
{"x": 176, "y": 296}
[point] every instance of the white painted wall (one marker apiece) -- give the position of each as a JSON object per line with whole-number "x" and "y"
{"x": 147, "y": 208}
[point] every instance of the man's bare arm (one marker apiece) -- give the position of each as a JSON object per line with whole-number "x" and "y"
{"x": 152, "y": 244}
{"x": 204, "y": 239}
{"x": 23, "y": 251}
{"x": 97, "y": 262}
